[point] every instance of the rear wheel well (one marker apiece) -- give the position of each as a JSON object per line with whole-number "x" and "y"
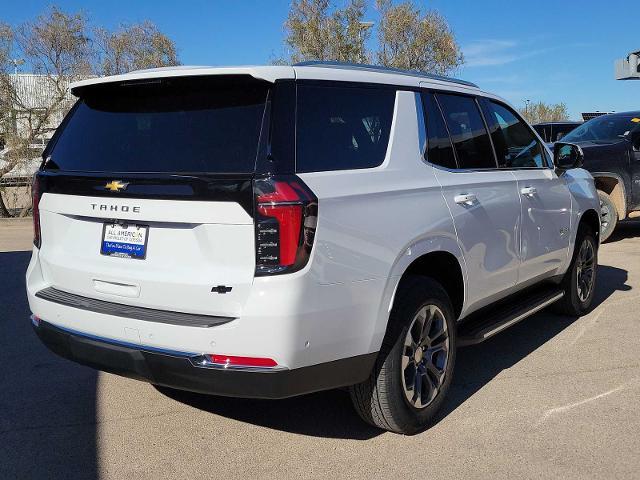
{"x": 444, "y": 268}
{"x": 614, "y": 188}
{"x": 591, "y": 219}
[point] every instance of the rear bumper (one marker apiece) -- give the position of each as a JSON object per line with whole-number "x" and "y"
{"x": 175, "y": 369}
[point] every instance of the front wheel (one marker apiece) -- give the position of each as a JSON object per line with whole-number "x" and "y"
{"x": 415, "y": 365}
{"x": 579, "y": 283}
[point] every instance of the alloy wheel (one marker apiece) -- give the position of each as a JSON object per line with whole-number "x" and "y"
{"x": 425, "y": 356}
{"x": 585, "y": 275}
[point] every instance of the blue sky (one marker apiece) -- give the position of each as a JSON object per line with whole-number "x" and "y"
{"x": 554, "y": 51}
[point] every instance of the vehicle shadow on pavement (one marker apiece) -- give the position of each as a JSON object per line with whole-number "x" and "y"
{"x": 478, "y": 365}
{"x": 330, "y": 414}
{"x": 47, "y": 404}
{"x": 323, "y": 414}
{"x": 624, "y": 230}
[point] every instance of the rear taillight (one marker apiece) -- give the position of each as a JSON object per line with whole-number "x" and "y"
{"x": 286, "y": 216}
{"x": 36, "y": 194}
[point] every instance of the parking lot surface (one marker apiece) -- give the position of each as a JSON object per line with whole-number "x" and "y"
{"x": 552, "y": 397}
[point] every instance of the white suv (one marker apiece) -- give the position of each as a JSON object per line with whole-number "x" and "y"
{"x": 274, "y": 231}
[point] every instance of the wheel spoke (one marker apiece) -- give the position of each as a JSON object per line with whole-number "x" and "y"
{"x": 418, "y": 326}
{"x": 417, "y": 393}
{"x": 409, "y": 375}
{"x": 405, "y": 361}
{"x": 439, "y": 330}
{"x": 426, "y": 326}
{"x": 433, "y": 388}
{"x": 436, "y": 374}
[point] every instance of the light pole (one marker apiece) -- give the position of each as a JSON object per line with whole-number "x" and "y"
{"x": 364, "y": 26}
{"x": 16, "y": 63}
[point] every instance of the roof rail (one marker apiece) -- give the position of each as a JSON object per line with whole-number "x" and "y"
{"x": 381, "y": 69}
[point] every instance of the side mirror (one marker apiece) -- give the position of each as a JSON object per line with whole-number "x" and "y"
{"x": 635, "y": 140}
{"x": 567, "y": 155}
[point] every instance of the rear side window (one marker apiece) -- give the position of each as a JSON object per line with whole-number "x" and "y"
{"x": 439, "y": 148}
{"x": 516, "y": 145}
{"x": 468, "y": 132}
{"x": 342, "y": 128}
{"x": 174, "y": 125}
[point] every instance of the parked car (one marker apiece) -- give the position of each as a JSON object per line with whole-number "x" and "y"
{"x": 554, "y": 131}
{"x": 611, "y": 146}
{"x": 274, "y": 231}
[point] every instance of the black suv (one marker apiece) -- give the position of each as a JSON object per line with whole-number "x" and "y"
{"x": 611, "y": 146}
{"x": 555, "y": 131}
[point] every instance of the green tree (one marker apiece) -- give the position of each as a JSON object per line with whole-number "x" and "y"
{"x": 407, "y": 37}
{"x": 544, "y": 112}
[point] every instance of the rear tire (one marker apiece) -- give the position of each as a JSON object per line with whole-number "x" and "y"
{"x": 608, "y": 216}
{"x": 579, "y": 283}
{"x": 415, "y": 365}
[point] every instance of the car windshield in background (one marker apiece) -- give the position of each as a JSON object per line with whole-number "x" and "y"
{"x": 181, "y": 125}
{"x": 608, "y": 128}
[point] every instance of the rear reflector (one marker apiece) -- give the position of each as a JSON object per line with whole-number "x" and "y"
{"x": 214, "y": 360}
{"x": 241, "y": 361}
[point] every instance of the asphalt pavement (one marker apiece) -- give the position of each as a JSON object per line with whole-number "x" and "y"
{"x": 552, "y": 397}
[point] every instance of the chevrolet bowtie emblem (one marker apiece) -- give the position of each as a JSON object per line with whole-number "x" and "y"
{"x": 116, "y": 185}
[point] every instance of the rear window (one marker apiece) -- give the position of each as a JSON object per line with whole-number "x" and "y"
{"x": 204, "y": 124}
{"x": 469, "y": 135}
{"x": 342, "y": 128}
{"x": 439, "y": 148}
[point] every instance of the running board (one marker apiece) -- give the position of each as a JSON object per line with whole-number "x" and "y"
{"x": 485, "y": 325}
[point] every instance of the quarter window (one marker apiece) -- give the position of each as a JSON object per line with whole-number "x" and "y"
{"x": 342, "y": 128}
{"x": 516, "y": 145}
{"x": 468, "y": 132}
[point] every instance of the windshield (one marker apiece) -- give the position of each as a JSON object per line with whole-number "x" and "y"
{"x": 190, "y": 124}
{"x": 607, "y": 128}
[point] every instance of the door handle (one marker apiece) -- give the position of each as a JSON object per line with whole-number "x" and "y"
{"x": 465, "y": 198}
{"x": 529, "y": 191}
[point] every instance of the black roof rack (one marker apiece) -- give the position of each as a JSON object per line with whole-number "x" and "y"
{"x": 380, "y": 69}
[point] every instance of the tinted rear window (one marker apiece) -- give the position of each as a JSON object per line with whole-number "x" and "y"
{"x": 439, "y": 148}
{"x": 181, "y": 125}
{"x": 469, "y": 135}
{"x": 342, "y": 128}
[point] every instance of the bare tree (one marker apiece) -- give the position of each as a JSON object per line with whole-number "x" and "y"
{"x": 134, "y": 47}
{"x": 543, "y": 112}
{"x": 57, "y": 47}
{"x": 316, "y": 32}
{"x": 407, "y": 37}
{"x": 60, "y": 48}
{"x": 412, "y": 40}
